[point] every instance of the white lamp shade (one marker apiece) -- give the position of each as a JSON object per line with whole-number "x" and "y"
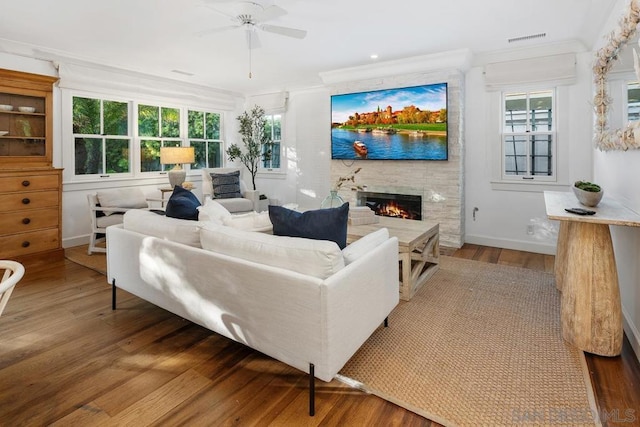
{"x": 177, "y": 155}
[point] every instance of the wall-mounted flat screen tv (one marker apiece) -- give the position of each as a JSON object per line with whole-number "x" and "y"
{"x": 407, "y": 123}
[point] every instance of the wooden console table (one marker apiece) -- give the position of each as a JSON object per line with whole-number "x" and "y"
{"x": 418, "y": 249}
{"x": 586, "y": 273}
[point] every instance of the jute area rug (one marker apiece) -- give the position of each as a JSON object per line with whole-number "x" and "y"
{"x": 479, "y": 345}
{"x": 96, "y": 261}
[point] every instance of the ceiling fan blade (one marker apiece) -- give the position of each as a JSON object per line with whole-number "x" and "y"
{"x": 269, "y": 13}
{"x": 216, "y": 30}
{"x": 221, "y": 12}
{"x": 284, "y": 31}
{"x": 253, "y": 42}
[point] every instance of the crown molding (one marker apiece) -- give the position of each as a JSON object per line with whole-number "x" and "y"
{"x": 456, "y": 59}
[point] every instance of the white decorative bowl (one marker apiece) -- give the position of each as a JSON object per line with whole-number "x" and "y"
{"x": 27, "y": 109}
{"x": 5, "y": 107}
{"x": 587, "y": 198}
{"x": 3, "y": 132}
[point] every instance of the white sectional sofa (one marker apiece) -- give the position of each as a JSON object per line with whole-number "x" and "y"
{"x": 301, "y": 301}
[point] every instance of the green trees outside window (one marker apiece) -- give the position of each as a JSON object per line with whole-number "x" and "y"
{"x": 158, "y": 127}
{"x": 204, "y": 137}
{"x": 101, "y": 140}
{"x": 104, "y": 142}
{"x": 271, "y": 149}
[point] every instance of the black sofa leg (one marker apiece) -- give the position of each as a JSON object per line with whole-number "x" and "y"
{"x": 312, "y": 390}
{"x": 113, "y": 294}
{"x": 386, "y": 322}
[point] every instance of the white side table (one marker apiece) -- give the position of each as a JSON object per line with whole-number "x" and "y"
{"x": 263, "y": 205}
{"x": 165, "y": 190}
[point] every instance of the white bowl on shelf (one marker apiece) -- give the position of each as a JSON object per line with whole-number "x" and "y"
{"x": 3, "y": 132}
{"x": 27, "y": 109}
{"x": 5, "y": 107}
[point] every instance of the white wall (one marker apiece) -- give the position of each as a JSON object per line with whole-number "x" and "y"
{"x": 619, "y": 174}
{"x": 306, "y": 139}
{"x": 503, "y": 215}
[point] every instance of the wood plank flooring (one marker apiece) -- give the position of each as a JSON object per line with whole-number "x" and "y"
{"x": 67, "y": 359}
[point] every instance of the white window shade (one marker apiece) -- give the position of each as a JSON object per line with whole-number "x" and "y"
{"x": 556, "y": 69}
{"x": 271, "y": 102}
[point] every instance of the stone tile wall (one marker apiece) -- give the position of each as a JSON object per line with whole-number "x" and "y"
{"x": 439, "y": 182}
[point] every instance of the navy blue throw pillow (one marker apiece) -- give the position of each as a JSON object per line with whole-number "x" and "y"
{"x": 226, "y": 185}
{"x": 320, "y": 224}
{"x": 182, "y": 204}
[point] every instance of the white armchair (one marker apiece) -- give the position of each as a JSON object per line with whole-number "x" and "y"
{"x": 107, "y": 208}
{"x": 247, "y": 203}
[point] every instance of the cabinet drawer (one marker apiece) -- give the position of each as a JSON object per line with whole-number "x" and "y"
{"x": 28, "y": 220}
{"x": 28, "y": 182}
{"x": 28, "y": 243}
{"x": 28, "y": 200}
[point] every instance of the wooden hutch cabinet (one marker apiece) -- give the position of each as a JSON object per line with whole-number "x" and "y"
{"x": 30, "y": 188}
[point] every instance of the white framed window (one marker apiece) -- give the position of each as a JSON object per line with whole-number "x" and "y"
{"x": 204, "y": 133}
{"x": 528, "y": 136}
{"x": 271, "y": 152}
{"x": 158, "y": 127}
{"x": 633, "y": 102}
{"x": 121, "y": 138}
{"x": 102, "y": 136}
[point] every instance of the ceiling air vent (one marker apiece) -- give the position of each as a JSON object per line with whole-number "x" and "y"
{"x": 529, "y": 37}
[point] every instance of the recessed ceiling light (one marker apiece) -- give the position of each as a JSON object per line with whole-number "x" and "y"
{"x": 374, "y": 56}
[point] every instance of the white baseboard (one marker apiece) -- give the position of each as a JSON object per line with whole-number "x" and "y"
{"x": 632, "y": 334}
{"x": 517, "y": 245}
{"x": 70, "y": 242}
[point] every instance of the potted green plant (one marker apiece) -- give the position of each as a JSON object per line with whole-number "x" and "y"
{"x": 587, "y": 193}
{"x": 254, "y": 136}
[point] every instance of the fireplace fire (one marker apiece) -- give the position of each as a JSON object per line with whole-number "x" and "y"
{"x": 404, "y": 206}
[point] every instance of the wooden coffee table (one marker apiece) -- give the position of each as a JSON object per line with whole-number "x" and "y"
{"x": 418, "y": 249}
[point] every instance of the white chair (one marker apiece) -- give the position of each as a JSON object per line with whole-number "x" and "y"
{"x": 107, "y": 208}
{"x": 13, "y": 272}
{"x": 247, "y": 203}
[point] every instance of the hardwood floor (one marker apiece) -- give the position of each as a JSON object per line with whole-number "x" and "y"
{"x": 67, "y": 359}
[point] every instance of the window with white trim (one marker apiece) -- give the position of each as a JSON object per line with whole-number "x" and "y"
{"x": 157, "y": 127}
{"x": 271, "y": 150}
{"x": 121, "y": 137}
{"x": 529, "y": 136}
{"x": 204, "y": 136}
{"x": 633, "y": 101}
{"x": 101, "y": 135}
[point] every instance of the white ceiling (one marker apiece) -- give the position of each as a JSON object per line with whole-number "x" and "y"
{"x": 159, "y": 36}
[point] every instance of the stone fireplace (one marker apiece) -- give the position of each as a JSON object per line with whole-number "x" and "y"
{"x": 406, "y": 206}
{"x": 439, "y": 184}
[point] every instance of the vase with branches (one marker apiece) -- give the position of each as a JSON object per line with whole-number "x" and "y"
{"x": 254, "y": 136}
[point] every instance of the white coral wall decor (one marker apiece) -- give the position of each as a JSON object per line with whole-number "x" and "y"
{"x": 625, "y": 138}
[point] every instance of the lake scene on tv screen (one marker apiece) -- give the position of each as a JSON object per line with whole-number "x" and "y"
{"x": 393, "y": 124}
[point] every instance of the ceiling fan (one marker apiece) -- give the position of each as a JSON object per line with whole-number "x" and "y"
{"x": 251, "y": 16}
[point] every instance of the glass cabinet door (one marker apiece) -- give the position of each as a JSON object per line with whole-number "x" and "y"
{"x": 22, "y": 125}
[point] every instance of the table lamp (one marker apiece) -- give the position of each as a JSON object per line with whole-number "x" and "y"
{"x": 177, "y": 156}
